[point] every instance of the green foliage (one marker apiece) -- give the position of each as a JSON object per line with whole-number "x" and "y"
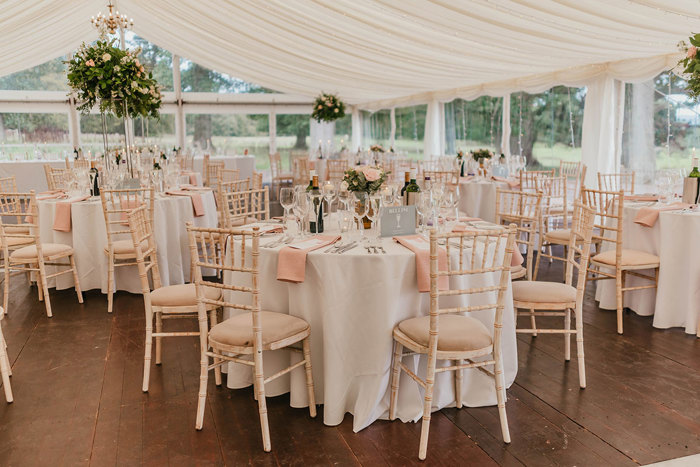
{"x": 478, "y": 154}
{"x": 49, "y": 76}
{"x": 328, "y": 108}
{"x": 115, "y": 79}
{"x": 356, "y": 179}
{"x": 691, "y": 66}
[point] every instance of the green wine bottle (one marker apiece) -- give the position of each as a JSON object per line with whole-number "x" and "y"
{"x": 411, "y": 190}
{"x": 695, "y": 173}
{"x": 407, "y": 179}
{"x": 316, "y": 217}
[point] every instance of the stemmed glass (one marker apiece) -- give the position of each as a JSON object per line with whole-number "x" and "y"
{"x": 302, "y": 206}
{"x": 329, "y": 191}
{"x": 361, "y": 208}
{"x": 287, "y": 202}
{"x": 375, "y": 205}
{"x": 346, "y": 197}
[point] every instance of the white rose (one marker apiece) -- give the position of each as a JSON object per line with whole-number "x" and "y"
{"x": 106, "y": 57}
{"x": 116, "y": 68}
{"x": 134, "y": 84}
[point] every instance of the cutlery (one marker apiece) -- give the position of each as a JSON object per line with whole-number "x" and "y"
{"x": 383, "y": 250}
{"x": 335, "y": 246}
{"x": 346, "y": 249}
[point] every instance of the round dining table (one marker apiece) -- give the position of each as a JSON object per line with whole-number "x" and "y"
{"x": 675, "y": 238}
{"x": 477, "y": 197}
{"x": 352, "y": 302}
{"x": 88, "y": 237}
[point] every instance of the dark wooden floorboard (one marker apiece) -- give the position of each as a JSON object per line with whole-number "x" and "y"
{"x": 78, "y": 400}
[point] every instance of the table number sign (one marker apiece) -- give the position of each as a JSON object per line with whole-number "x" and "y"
{"x": 398, "y": 220}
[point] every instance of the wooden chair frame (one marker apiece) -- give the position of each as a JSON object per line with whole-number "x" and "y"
{"x": 488, "y": 265}
{"x": 528, "y": 179}
{"x": 211, "y": 176}
{"x": 555, "y": 213}
{"x": 5, "y": 367}
{"x": 56, "y": 179}
{"x": 609, "y": 206}
{"x": 200, "y": 241}
{"x": 242, "y": 207}
{"x": 447, "y": 177}
{"x": 116, "y": 205}
{"x": 336, "y": 169}
{"x": 617, "y": 182}
{"x": 579, "y": 245}
{"x": 24, "y": 207}
{"x": 277, "y": 176}
{"x": 524, "y": 209}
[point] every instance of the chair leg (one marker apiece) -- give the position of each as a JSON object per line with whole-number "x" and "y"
{"x": 567, "y": 336}
{"x": 159, "y": 339}
{"x": 501, "y": 398}
{"x": 147, "y": 348}
{"x": 395, "y": 378}
{"x": 537, "y": 266}
{"x": 44, "y": 287}
{"x": 217, "y": 368}
{"x": 76, "y": 279}
{"x": 579, "y": 349}
{"x": 5, "y": 370}
{"x": 458, "y": 384}
{"x": 309, "y": 377}
{"x": 619, "y": 285}
{"x": 6, "y": 287}
{"x": 533, "y": 322}
{"x": 111, "y": 283}
{"x": 427, "y": 405}
{"x": 262, "y": 405}
{"x": 203, "y": 368}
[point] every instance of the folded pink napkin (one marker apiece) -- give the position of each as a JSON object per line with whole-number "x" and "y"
{"x": 648, "y": 215}
{"x": 421, "y": 247}
{"x": 512, "y": 183}
{"x": 53, "y": 194}
{"x": 62, "y": 216}
{"x": 195, "y": 188}
{"x": 515, "y": 259}
{"x": 193, "y": 177}
{"x": 291, "y": 262}
{"x": 197, "y": 203}
{"x": 642, "y": 197}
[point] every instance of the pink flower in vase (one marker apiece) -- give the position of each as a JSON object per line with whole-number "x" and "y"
{"x": 372, "y": 175}
{"x": 692, "y": 52}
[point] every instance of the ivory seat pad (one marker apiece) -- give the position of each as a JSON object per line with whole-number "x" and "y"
{"x": 238, "y": 330}
{"x": 543, "y": 292}
{"x": 125, "y": 247}
{"x": 181, "y": 295}
{"x": 48, "y": 249}
{"x": 629, "y": 258}
{"x": 558, "y": 236}
{"x": 14, "y": 241}
{"x": 457, "y": 333}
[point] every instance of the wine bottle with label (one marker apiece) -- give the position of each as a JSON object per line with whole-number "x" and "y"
{"x": 310, "y": 186}
{"x": 695, "y": 173}
{"x": 316, "y": 220}
{"x": 407, "y": 179}
{"x": 412, "y": 190}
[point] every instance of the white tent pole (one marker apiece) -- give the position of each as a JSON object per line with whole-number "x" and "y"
{"x": 431, "y": 139}
{"x": 392, "y": 135}
{"x": 356, "y": 129}
{"x": 272, "y": 126}
{"x": 179, "y": 111}
{"x": 505, "y": 126}
{"x": 73, "y": 123}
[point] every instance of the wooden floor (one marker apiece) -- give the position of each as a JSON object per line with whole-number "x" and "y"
{"x": 78, "y": 400}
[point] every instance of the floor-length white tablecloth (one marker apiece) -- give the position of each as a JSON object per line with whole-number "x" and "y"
{"x": 352, "y": 302}
{"x": 675, "y": 238}
{"x": 477, "y": 198}
{"x": 88, "y": 238}
{"x": 244, "y": 164}
{"x": 29, "y": 174}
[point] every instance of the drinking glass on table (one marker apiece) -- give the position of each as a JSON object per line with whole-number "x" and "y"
{"x": 329, "y": 191}
{"x": 375, "y": 205}
{"x": 346, "y": 198}
{"x": 287, "y": 202}
{"x": 302, "y": 207}
{"x": 360, "y": 210}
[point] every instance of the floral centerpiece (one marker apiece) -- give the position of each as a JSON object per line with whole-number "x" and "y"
{"x": 365, "y": 179}
{"x": 328, "y": 108}
{"x": 691, "y": 66}
{"x": 105, "y": 75}
{"x": 480, "y": 154}
{"x": 376, "y": 148}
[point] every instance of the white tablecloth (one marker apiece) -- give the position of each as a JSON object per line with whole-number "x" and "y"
{"x": 478, "y": 198}
{"x": 352, "y": 302}
{"x": 89, "y": 238}
{"x": 29, "y": 174}
{"x": 245, "y": 164}
{"x": 675, "y": 238}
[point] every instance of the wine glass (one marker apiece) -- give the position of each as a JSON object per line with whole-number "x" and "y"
{"x": 361, "y": 208}
{"x": 375, "y": 206}
{"x": 329, "y": 191}
{"x": 387, "y": 194}
{"x": 287, "y": 202}
{"x": 302, "y": 206}
{"x": 346, "y": 197}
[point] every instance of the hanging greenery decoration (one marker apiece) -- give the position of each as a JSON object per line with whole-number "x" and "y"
{"x": 691, "y": 66}
{"x": 328, "y": 108}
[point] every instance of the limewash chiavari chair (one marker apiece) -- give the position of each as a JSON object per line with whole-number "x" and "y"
{"x": 616, "y": 182}
{"x": 228, "y": 175}
{"x": 9, "y": 185}
{"x": 555, "y": 217}
{"x": 447, "y": 177}
{"x": 186, "y": 162}
{"x": 162, "y": 303}
{"x": 609, "y": 206}
{"x": 301, "y": 171}
{"x": 5, "y": 367}
{"x": 524, "y": 209}
{"x": 116, "y": 204}
{"x": 251, "y": 332}
{"x": 528, "y": 179}
{"x": 447, "y": 334}
{"x": 277, "y": 176}
{"x": 336, "y": 169}
{"x": 36, "y": 255}
{"x": 56, "y": 179}
{"x": 557, "y": 299}
{"x": 245, "y": 207}
{"x": 256, "y": 181}
{"x": 211, "y": 176}
{"x": 575, "y": 173}
{"x": 81, "y": 164}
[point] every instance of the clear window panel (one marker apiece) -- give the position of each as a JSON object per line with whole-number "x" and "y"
{"x": 91, "y": 140}
{"x": 196, "y": 78}
{"x": 230, "y": 134}
{"x": 158, "y": 132}
{"x": 473, "y": 124}
{"x": 155, "y": 59}
{"x": 34, "y": 136}
{"x": 293, "y": 137}
{"x": 546, "y": 127}
{"x": 49, "y": 76}
{"x": 376, "y": 129}
{"x": 410, "y": 130}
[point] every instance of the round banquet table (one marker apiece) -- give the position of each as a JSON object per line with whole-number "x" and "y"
{"x": 352, "y": 302}
{"x": 477, "y": 198}
{"x": 675, "y": 238}
{"x": 88, "y": 237}
{"x": 29, "y": 174}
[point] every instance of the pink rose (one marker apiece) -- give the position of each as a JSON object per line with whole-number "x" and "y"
{"x": 692, "y": 52}
{"x": 372, "y": 175}
{"x": 90, "y": 63}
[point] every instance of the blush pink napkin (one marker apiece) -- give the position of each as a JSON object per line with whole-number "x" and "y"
{"x": 516, "y": 258}
{"x": 54, "y": 194}
{"x": 62, "y": 216}
{"x": 423, "y": 262}
{"x": 648, "y": 215}
{"x": 193, "y": 177}
{"x": 511, "y": 183}
{"x": 642, "y": 197}
{"x": 197, "y": 203}
{"x": 291, "y": 262}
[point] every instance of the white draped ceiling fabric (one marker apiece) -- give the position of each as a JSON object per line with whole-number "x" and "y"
{"x": 387, "y": 53}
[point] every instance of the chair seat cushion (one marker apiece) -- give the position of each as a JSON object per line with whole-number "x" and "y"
{"x": 16, "y": 241}
{"x": 48, "y": 249}
{"x": 633, "y": 258}
{"x": 457, "y": 333}
{"x": 125, "y": 247}
{"x": 558, "y": 236}
{"x": 181, "y": 295}
{"x": 238, "y": 330}
{"x": 543, "y": 292}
